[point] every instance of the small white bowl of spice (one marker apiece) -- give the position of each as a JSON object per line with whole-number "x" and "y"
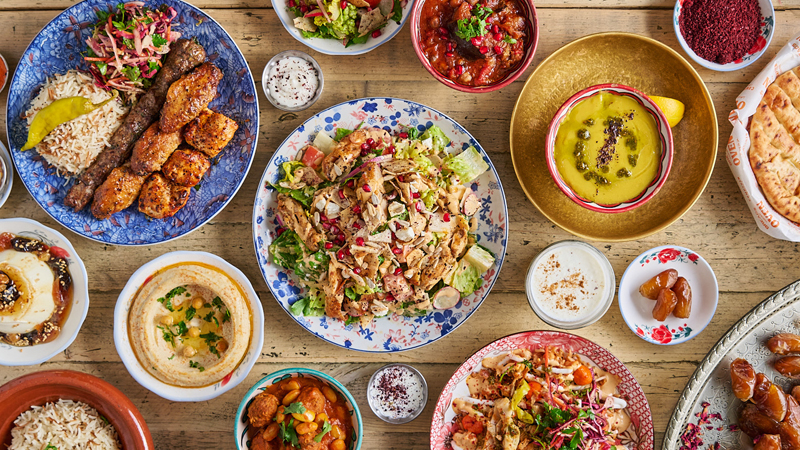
{"x": 397, "y": 393}
{"x": 292, "y": 80}
{"x": 570, "y": 285}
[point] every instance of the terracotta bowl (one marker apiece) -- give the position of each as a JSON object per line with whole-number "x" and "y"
{"x": 36, "y": 389}
{"x": 528, "y": 10}
{"x": 664, "y": 164}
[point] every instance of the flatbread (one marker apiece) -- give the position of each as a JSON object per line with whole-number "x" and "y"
{"x": 774, "y": 150}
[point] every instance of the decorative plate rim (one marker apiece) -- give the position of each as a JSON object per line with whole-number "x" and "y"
{"x": 235, "y": 190}
{"x": 690, "y": 396}
{"x": 500, "y": 258}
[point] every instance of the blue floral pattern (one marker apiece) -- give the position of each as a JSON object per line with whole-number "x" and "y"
{"x": 393, "y": 333}
{"x": 56, "y": 49}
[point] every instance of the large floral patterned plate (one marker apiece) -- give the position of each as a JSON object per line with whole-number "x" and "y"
{"x": 639, "y": 436}
{"x": 637, "y": 311}
{"x": 57, "y": 49}
{"x": 707, "y": 411}
{"x": 393, "y": 333}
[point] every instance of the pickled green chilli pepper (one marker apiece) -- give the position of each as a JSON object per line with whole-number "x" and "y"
{"x": 60, "y": 111}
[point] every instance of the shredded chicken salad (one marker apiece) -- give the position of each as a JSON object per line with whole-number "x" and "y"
{"x": 375, "y": 224}
{"x": 541, "y": 399}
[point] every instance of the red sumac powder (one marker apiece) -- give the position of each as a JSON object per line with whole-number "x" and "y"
{"x": 720, "y": 31}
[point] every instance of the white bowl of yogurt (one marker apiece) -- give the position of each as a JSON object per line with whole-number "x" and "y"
{"x": 570, "y": 285}
{"x": 292, "y": 80}
{"x": 397, "y": 393}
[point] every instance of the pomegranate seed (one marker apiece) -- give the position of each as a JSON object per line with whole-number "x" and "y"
{"x": 403, "y": 135}
{"x": 340, "y": 254}
{"x": 360, "y": 241}
{"x": 420, "y": 207}
{"x": 328, "y": 245}
{"x": 476, "y": 41}
{"x": 303, "y": 9}
{"x": 498, "y": 37}
{"x": 398, "y": 271}
{"x": 341, "y": 194}
{"x": 446, "y": 217}
{"x": 495, "y": 28}
{"x": 401, "y": 178}
{"x": 449, "y": 54}
{"x": 341, "y": 237}
{"x": 364, "y": 152}
{"x": 364, "y": 146}
{"x": 484, "y": 50}
{"x": 443, "y": 31}
{"x": 356, "y": 209}
{"x": 335, "y": 230}
{"x": 350, "y": 183}
{"x": 279, "y": 231}
{"x": 347, "y": 251}
{"x": 366, "y": 188}
{"x": 449, "y": 46}
{"x": 391, "y": 149}
{"x": 376, "y": 33}
{"x": 323, "y": 218}
{"x": 460, "y": 69}
{"x": 490, "y": 19}
{"x": 397, "y": 250}
{"x": 415, "y": 194}
{"x": 394, "y": 237}
{"x": 343, "y": 4}
{"x": 356, "y": 225}
{"x": 370, "y": 142}
{"x": 389, "y": 297}
{"x": 357, "y": 270}
{"x": 327, "y": 226}
{"x": 291, "y": 4}
{"x": 497, "y": 49}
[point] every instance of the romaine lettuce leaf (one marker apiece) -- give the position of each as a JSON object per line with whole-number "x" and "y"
{"x": 439, "y": 139}
{"x": 311, "y": 306}
{"x": 466, "y": 278}
{"x": 468, "y": 165}
{"x": 289, "y": 252}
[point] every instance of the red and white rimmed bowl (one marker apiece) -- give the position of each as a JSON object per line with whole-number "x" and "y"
{"x": 36, "y": 389}
{"x": 639, "y": 436}
{"x": 532, "y": 20}
{"x": 665, "y": 163}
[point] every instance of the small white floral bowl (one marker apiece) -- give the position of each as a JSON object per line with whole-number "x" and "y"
{"x": 637, "y": 310}
{"x": 123, "y": 343}
{"x": 36, "y": 354}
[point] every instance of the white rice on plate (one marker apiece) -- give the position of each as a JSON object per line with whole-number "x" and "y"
{"x": 65, "y": 425}
{"x": 73, "y": 145}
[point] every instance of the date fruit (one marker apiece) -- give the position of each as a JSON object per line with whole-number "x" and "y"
{"x": 784, "y": 343}
{"x": 768, "y": 442}
{"x": 684, "y": 293}
{"x": 769, "y": 398}
{"x": 754, "y": 423}
{"x": 743, "y": 379}
{"x": 665, "y": 303}
{"x": 788, "y": 366}
{"x": 790, "y": 427}
{"x": 653, "y": 286}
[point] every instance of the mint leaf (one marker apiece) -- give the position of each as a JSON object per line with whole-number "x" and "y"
{"x": 508, "y": 39}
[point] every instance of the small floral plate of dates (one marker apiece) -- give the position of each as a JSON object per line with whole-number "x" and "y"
{"x": 668, "y": 295}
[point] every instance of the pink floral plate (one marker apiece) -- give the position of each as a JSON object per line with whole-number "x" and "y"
{"x": 638, "y": 310}
{"x": 639, "y": 436}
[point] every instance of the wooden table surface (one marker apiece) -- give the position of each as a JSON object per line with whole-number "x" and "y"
{"x": 749, "y": 264}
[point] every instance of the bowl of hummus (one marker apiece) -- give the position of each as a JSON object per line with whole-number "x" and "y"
{"x": 188, "y": 326}
{"x": 44, "y": 292}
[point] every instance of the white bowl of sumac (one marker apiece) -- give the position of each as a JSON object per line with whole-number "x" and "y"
{"x": 724, "y": 35}
{"x": 475, "y": 48}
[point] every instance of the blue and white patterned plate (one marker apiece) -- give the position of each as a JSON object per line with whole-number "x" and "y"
{"x": 394, "y": 333}
{"x": 57, "y": 49}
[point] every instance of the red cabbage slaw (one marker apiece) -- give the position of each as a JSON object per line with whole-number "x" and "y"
{"x": 128, "y": 44}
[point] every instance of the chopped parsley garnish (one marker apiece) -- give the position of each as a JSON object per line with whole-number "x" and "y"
{"x": 195, "y": 365}
{"x": 288, "y": 434}
{"x": 169, "y": 333}
{"x": 53, "y": 447}
{"x": 170, "y": 358}
{"x": 326, "y": 428}
{"x": 210, "y": 338}
{"x": 208, "y": 316}
{"x": 167, "y": 299}
{"x": 474, "y": 26}
{"x": 295, "y": 408}
{"x": 158, "y": 40}
{"x": 226, "y": 317}
{"x": 217, "y": 303}
{"x": 528, "y": 364}
{"x": 509, "y": 40}
{"x": 190, "y": 313}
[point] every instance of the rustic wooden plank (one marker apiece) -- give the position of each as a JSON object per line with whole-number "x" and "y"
{"x": 172, "y": 422}
{"x": 260, "y": 35}
{"x": 12, "y": 5}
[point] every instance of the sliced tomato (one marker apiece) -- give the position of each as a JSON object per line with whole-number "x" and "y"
{"x": 472, "y": 424}
{"x": 313, "y": 157}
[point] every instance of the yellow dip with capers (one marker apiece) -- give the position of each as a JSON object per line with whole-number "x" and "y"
{"x": 190, "y": 325}
{"x": 608, "y": 148}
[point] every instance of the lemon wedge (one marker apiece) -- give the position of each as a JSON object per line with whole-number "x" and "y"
{"x": 672, "y": 109}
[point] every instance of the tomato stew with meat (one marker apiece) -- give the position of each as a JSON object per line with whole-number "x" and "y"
{"x": 474, "y": 44}
{"x": 300, "y": 413}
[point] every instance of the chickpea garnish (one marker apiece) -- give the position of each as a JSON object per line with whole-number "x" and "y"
{"x": 189, "y": 351}
{"x": 167, "y": 320}
{"x": 194, "y": 332}
{"x": 198, "y": 303}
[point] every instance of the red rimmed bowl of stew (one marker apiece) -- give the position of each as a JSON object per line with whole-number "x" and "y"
{"x": 478, "y": 47}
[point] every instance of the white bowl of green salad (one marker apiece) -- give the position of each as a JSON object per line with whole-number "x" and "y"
{"x": 343, "y": 27}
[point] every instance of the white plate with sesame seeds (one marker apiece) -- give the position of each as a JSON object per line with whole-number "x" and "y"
{"x": 79, "y": 307}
